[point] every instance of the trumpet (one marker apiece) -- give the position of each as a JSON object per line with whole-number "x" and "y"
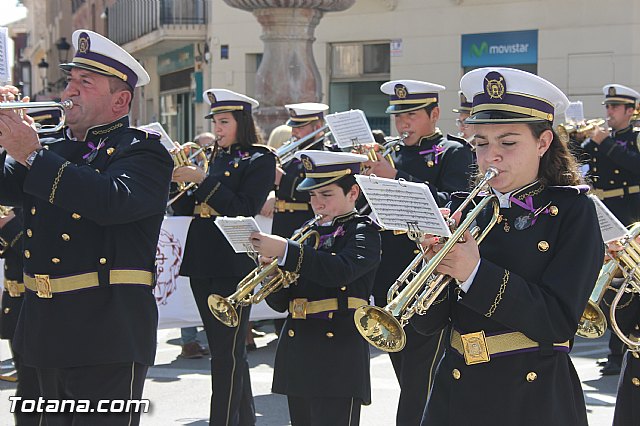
{"x": 390, "y": 145}
{"x": 589, "y": 125}
{"x": 180, "y": 159}
{"x": 62, "y": 106}
{"x": 593, "y": 321}
{"x": 271, "y": 277}
{"x": 383, "y": 328}
{"x": 286, "y": 152}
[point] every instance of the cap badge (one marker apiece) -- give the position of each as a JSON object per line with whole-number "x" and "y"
{"x": 84, "y": 43}
{"x": 463, "y": 99}
{"x": 212, "y": 98}
{"x": 401, "y": 91}
{"x": 306, "y": 162}
{"x": 612, "y": 91}
{"x": 292, "y": 112}
{"x": 495, "y": 86}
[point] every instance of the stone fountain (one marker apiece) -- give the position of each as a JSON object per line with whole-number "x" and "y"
{"x": 288, "y": 72}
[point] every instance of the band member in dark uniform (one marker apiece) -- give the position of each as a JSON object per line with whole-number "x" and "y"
{"x": 465, "y": 130}
{"x": 614, "y": 169}
{"x": 240, "y": 175}
{"x": 93, "y": 197}
{"x": 444, "y": 165}
{"x": 518, "y": 297}
{"x": 322, "y": 363}
{"x": 11, "y": 234}
{"x": 291, "y": 207}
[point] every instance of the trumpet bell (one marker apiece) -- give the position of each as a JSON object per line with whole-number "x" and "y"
{"x": 380, "y": 328}
{"x": 593, "y": 322}
{"x": 223, "y": 310}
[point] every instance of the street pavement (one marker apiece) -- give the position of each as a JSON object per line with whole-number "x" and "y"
{"x": 179, "y": 389}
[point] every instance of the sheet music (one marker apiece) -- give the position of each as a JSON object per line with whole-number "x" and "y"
{"x": 164, "y": 136}
{"x": 574, "y": 113}
{"x": 399, "y": 205}
{"x": 237, "y": 231}
{"x": 348, "y": 126}
{"x": 5, "y": 77}
{"x": 610, "y": 227}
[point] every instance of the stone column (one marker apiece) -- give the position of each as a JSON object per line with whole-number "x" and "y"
{"x": 288, "y": 72}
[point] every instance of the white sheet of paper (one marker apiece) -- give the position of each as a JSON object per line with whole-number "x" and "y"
{"x": 610, "y": 227}
{"x": 164, "y": 136}
{"x": 399, "y": 204}
{"x": 237, "y": 231}
{"x": 574, "y": 113}
{"x": 5, "y": 77}
{"x": 349, "y": 126}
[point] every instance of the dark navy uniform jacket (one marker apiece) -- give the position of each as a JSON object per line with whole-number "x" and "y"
{"x": 237, "y": 184}
{"x": 444, "y": 164}
{"x": 327, "y": 357}
{"x": 11, "y": 251}
{"x": 529, "y": 281}
{"x": 615, "y": 164}
{"x": 91, "y": 207}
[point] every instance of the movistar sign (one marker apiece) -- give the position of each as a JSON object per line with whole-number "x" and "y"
{"x": 506, "y": 48}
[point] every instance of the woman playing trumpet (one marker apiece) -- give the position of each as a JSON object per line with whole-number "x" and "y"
{"x": 520, "y": 294}
{"x": 239, "y": 178}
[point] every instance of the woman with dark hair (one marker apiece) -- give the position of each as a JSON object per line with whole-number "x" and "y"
{"x": 519, "y": 295}
{"x": 240, "y": 175}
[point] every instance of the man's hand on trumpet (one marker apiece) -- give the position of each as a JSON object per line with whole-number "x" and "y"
{"x": 461, "y": 260}
{"x": 17, "y": 130}
{"x": 380, "y": 168}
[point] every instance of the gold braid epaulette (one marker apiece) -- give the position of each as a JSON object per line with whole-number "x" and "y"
{"x": 496, "y": 302}
{"x": 56, "y": 181}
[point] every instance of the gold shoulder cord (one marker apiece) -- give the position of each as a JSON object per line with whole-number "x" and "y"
{"x": 56, "y": 181}
{"x": 498, "y": 299}
{"x": 299, "y": 264}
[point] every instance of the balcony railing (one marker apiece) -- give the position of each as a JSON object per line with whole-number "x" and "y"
{"x": 132, "y": 19}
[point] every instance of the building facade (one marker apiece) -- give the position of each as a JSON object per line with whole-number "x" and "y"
{"x": 189, "y": 46}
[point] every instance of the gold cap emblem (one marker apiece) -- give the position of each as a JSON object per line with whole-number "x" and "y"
{"x": 495, "y": 86}
{"x": 83, "y": 43}
{"x": 306, "y": 162}
{"x": 212, "y": 98}
{"x": 401, "y": 91}
{"x": 612, "y": 91}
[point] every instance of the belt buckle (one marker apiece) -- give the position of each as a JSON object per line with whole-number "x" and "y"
{"x": 13, "y": 288}
{"x": 43, "y": 286}
{"x": 205, "y": 210}
{"x": 299, "y": 309}
{"x": 280, "y": 206}
{"x": 475, "y": 349}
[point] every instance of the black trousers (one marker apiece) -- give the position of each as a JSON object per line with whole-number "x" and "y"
{"x": 231, "y": 399}
{"x": 415, "y": 368}
{"x": 28, "y": 388}
{"x": 324, "y": 411}
{"x": 122, "y": 381}
{"x": 627, "y": 318}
